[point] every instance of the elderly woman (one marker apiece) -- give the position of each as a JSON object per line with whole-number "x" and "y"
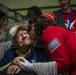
{"x": 21, "y": 39}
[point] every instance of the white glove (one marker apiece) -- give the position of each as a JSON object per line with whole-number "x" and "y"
{"x": 25, "y": 65}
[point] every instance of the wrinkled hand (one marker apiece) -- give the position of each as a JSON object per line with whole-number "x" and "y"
{"x": 22, "y": 63}
{"x": 13, "y": 69}
{"x": 17, "y": 61}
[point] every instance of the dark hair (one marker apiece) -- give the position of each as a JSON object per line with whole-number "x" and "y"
{"x": 2, "y": 14}
{"x": 36, "y": 10}
{"x": 31, "y": 21}
{"x": 42, "y": 23}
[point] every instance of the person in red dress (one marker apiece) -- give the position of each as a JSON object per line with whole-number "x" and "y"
{"x": 59, "y": 44}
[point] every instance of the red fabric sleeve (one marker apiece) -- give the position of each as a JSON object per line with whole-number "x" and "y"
{"x": 60, "y": 53}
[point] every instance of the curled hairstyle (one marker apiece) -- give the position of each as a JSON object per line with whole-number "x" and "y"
{"x": 42, "y": 23}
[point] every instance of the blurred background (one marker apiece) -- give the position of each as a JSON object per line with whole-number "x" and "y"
{"x": 17, "y": 9}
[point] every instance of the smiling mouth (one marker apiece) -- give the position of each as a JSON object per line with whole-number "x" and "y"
{"x": 26, "y": 39}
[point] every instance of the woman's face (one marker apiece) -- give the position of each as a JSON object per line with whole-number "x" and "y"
{"x": 22, "y": 38}
{"x": 32, "y": 32}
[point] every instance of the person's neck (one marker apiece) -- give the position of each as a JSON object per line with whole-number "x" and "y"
{"x": 23, "y": 50}
{"x": 66, "y": 10}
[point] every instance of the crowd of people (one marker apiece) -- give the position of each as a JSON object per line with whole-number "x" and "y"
{"x": 46, "y": 46}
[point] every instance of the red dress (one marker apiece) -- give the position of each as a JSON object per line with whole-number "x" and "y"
{"x": 60, "y": 45}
